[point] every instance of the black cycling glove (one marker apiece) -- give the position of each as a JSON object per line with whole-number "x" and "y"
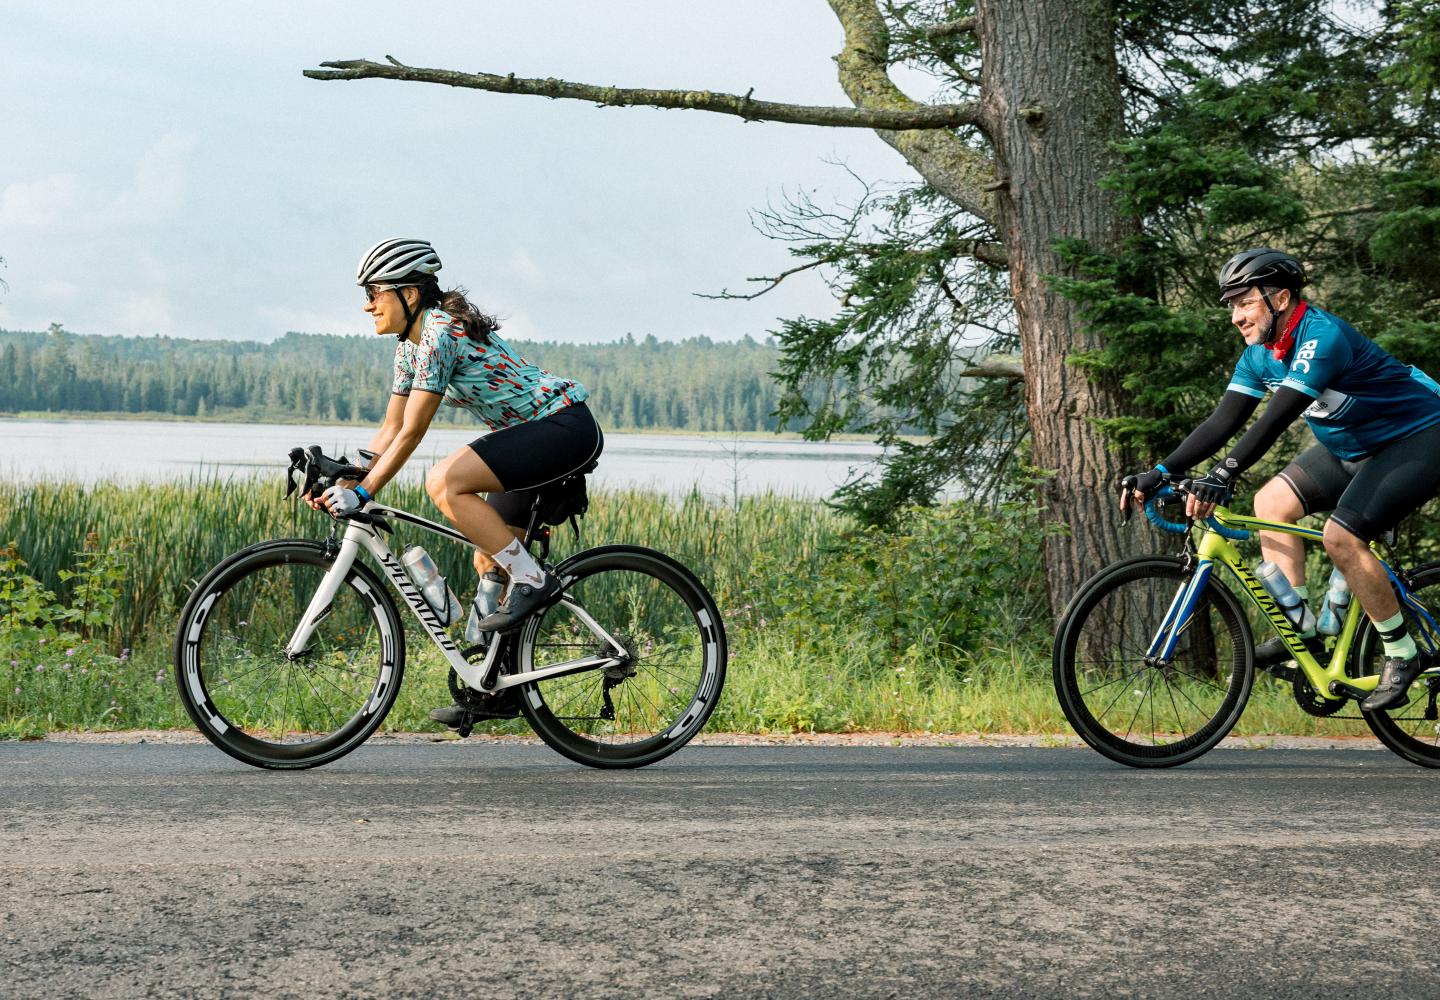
{"x": 1147, "y": 483}
{"x": 1214, "y": 487}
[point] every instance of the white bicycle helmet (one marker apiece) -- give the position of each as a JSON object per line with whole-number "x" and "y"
{"x": 395, "y": 259}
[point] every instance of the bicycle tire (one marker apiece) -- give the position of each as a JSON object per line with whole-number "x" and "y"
{"x": 662, "y": 693}
{"x": 1104, "y": 684}
{"x": 1405, "y": 730}
{"x": 234, "y": 627}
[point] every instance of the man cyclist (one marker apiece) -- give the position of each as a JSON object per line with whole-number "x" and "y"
{"x": 1377, "y": 422}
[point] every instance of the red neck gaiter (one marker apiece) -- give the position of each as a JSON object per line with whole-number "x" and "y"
{"x": 1286, "y": 340}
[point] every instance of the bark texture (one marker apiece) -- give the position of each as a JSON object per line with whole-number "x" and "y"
{"x": 1052, "y": 103}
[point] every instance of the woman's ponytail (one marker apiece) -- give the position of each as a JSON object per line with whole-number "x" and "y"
{"x": 477, "y": 325}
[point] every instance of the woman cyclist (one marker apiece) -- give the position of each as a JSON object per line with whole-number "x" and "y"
{"x": 541, "y": 429}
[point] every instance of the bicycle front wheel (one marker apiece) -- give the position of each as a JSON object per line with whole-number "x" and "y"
{"x": 1411, "y": 730}
{"x": 257, "y": 703}
{"x": 1141, "y": 714}
{"x": 661, "y": 633}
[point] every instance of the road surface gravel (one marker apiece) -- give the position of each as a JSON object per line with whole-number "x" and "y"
{"x": 418, "y": 869}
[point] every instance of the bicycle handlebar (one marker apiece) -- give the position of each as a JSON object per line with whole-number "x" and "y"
{"x": 1152, "y": 513}
{"x": 320, "y": 472}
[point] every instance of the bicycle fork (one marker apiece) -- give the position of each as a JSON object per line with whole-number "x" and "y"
{"x": 1179, "y": 615}
{"x": 324, "y": 596}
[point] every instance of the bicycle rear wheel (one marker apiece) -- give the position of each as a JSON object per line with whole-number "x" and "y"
{"x": 669, "y": 652}
{"x": 253, "y": 701}
{"x": 1151, "y": 715}
{"x": 1411, "y": 730}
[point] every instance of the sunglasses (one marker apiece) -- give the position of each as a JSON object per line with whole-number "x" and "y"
{"x": 372, "y": 291}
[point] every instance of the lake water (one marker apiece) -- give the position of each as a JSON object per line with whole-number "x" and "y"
{"x": 149, "y": 450}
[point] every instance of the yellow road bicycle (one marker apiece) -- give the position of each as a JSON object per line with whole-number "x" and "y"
{"x": 1154, "y": 657}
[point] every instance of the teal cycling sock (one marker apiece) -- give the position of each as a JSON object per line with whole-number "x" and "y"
{"x": 1398, "y": 644}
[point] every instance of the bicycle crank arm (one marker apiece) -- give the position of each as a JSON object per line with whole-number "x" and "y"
{"x": 1350, "y": 690}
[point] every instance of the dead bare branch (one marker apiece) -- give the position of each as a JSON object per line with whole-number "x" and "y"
{"x": 917, "y": 116}
{"x": 998, "y": 366}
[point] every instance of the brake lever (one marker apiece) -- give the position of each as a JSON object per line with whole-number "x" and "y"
{"x": 297, "y": 458}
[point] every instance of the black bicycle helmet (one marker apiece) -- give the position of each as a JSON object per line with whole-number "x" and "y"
{"x": 1260, "y": 268}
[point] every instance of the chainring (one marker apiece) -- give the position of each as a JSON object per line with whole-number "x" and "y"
{"x": 1310, "y": 700}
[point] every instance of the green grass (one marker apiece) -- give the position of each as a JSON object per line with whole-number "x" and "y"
{"x": 828, "y": 630}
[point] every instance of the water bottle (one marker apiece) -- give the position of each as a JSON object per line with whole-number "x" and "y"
{"x": 1290, "y": 602}
{"x": 487, "y": 599}
{"x": 1337, "y": 602}
{"x": 431, "y": 584}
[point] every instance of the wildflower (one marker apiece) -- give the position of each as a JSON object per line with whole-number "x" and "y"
{"x": 14, "y": 663}
{"x": 159, "y": 676}
{"x": 83, "y": 670}
{"x": 17, "y": 690}
{"x": 69, "y": 653}
{"x": 124, "y": 655}
{"x": 39, "y": 668}
{"x": 42, "y": 642}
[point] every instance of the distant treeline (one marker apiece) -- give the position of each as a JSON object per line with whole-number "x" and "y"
{"x": 694, "y": 385}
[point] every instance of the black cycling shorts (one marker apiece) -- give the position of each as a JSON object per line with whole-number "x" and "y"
{"x": 1371, "y": 496}
{"x": 530, "y": 455}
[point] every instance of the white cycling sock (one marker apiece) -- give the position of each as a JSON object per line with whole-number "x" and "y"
{"x": 519, "y": 564}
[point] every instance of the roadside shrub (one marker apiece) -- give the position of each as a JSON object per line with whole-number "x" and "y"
{"x": 949, "y": 583}
{"x": 59, "y": 668}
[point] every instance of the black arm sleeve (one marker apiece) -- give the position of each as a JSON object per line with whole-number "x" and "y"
{"x": 1234, "y": 409}
{"x": 1281, "y": 413}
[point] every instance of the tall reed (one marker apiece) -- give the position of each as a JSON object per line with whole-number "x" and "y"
{"x": 172, "y": 533}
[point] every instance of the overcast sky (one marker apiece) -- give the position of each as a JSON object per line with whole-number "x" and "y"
{"x": 165, "y": 168}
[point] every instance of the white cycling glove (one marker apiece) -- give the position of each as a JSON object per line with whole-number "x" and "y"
{"x": 343, "y": 500}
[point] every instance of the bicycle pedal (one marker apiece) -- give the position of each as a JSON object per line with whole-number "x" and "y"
{"x": 1281, "y": 671}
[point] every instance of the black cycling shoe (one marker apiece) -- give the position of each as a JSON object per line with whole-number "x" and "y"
{"x": 1273, "y": 652}
{"x": 1394, "y": 683}
{"x": 463, "y": 714}
{"x": 522, "y": 602}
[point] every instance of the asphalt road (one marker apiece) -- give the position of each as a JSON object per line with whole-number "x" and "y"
{"x": 499, "y": 871}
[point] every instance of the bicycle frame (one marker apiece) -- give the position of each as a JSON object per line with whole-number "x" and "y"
{"x": 1212, "y": 549}
{"x": 480, "y": 676}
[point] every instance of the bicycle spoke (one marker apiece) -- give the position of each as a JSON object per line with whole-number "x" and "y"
{"x": 1179, "y": 721}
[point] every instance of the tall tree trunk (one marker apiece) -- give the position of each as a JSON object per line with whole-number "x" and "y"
{"x": 1052, "y": 102}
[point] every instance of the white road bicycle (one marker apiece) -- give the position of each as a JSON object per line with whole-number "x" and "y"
{"x": 289, "y": 653}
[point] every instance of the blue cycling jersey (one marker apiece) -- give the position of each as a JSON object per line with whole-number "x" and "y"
{"x": 1364, "y": 398}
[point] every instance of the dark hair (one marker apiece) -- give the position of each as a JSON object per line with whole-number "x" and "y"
{"x": 477, "y": 325}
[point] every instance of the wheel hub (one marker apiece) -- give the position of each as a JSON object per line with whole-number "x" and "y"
{"x": 625, "y": 665}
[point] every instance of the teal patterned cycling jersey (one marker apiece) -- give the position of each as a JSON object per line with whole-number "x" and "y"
{"x": 490, "y": 380}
